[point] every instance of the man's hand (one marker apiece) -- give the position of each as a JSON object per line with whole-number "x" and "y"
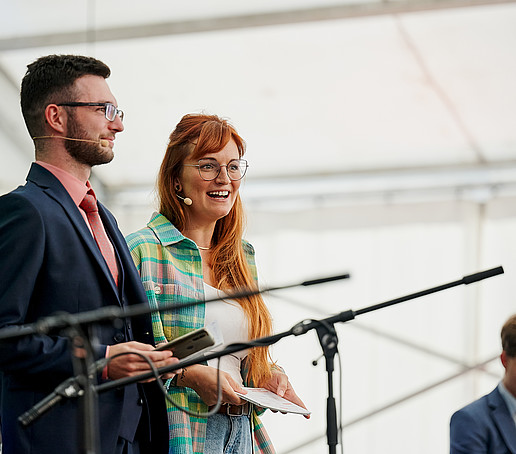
{"x": 130, "y": 365}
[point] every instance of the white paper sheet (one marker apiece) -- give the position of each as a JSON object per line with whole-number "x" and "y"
{"x": 267, "y": 399}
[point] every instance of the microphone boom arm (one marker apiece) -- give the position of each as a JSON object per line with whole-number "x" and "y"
{"x": 299, "y": 329}
{"x": 302, "y": 328}
{"x": 110, "y": 313}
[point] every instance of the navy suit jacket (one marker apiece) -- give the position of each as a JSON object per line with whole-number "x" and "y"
{"x": 49, "y": 262}
{"x": 483, "y": 427}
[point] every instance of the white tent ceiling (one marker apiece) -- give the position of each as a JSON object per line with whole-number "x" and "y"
{"x": 370, "y": 87}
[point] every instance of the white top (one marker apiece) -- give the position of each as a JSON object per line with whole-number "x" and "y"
{"x": 232, "y": 323}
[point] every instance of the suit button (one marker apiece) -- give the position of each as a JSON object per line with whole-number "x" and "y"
{"x": 157, "y": 290}
{"x": 140, "y": 402}
{"x": 119, "y": 337}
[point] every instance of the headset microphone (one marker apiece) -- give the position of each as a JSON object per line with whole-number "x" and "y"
{"x": 187, "y": 200}
{"x": 102, "y": 142}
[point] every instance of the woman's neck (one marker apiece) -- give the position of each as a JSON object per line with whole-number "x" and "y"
{"x": 200, "y": 235}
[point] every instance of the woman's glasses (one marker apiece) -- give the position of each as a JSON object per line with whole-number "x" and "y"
{"x": 209, "y": 169}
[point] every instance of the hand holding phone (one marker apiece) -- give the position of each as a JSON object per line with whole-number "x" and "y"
{"x": 189, "y": 343}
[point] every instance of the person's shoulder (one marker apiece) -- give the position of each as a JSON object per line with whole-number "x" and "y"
{"x": 41, "y": 190}
{"x": 23, "y": 218}
{"x": 475, "y": 408}
{"x": 20, "y": 200}
{"x": 142, "y": 236}
{"x": 248, "y": 247}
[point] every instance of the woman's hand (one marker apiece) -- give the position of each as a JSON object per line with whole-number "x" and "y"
{"x": 203, "y": 379}
{"x": 280, "y": 385}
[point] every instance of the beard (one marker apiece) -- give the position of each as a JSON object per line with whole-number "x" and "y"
{"x": 89, "y": 153}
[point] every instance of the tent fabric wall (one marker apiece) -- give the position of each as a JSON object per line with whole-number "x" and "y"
{"x": 434, "y": 342}
{"x": 401, "y": 350}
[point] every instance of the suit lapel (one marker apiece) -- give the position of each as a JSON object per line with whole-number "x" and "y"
{"x": 54, "y": 189}
{"x": 503, "y": 420}
{"x": 117, "y": 241}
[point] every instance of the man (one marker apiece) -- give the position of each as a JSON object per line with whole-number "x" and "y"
{"x": 488, "y": 425}
{"x": 57, "y": 253}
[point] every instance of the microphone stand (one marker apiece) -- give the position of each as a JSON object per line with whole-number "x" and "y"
{"x": 82, "y": 359}
{"x": 82, "y": 385}
{"x": 327, "y": 338}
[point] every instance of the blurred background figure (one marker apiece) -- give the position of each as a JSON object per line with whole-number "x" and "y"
{"x": 488, "y": 425}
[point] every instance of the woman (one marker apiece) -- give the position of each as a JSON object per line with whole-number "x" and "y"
{"x": 192, "y": 250}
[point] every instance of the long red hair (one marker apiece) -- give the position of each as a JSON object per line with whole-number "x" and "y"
{"x": 195, "y": 136}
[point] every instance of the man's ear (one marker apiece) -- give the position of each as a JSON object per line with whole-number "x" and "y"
{"x": 56, "y": 118}
{"x": 503, "y": 358}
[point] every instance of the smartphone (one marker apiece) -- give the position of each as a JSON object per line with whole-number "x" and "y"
{"x": 189, "y": 343}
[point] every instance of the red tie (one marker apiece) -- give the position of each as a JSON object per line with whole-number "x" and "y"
{"x": 89, "y": 205}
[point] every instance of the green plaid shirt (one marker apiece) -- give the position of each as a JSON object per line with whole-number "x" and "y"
{"x": 170, "y": 268}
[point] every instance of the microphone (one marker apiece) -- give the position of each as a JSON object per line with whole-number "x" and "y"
{"x": 187, "y": 200}
{"x": 71, "y": 387}
{"x": 102, "y": 142}
{"x": 482, "y": 275}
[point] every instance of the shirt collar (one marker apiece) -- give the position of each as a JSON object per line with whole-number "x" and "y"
{"x": 509, "y": 399}
{"x": 166, "y": 232}
{"x": 75, "y": 187}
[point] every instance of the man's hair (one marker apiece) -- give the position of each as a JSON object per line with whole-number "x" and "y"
{"x": 50, "y": 79}
{"x": 509, "y": 336}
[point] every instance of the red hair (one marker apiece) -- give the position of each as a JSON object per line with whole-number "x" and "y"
{"x": 195, "y": 136}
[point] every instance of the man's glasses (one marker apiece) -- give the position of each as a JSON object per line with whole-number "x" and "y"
{"x": 209, "y": 169}
{"x": 110, "y": 110}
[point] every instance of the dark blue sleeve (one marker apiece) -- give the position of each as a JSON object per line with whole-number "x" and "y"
{"x": 22, "y": 256}
{"x": 467, "y": 434}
